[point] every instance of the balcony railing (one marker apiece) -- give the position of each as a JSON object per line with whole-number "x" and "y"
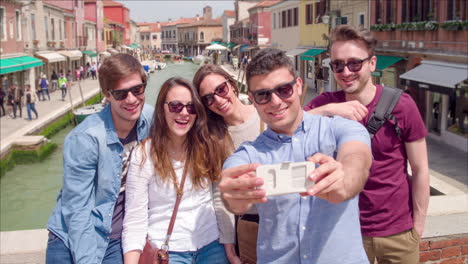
{"x": 446, "y": 47}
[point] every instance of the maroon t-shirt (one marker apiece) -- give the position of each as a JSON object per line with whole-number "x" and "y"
{"x": 385, "y": 203}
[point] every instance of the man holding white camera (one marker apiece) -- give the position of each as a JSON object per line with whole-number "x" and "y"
{"x": 321, "y": 225}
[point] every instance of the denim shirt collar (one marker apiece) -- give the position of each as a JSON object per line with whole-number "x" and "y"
{"x": 111, "y": 133}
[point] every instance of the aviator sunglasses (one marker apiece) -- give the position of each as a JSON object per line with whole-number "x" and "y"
{"x": 338, "y": 66}
{"x": 136, "y": 90}
{"x": 177, "y": 106}
{"x": 283, "y": 91}
{"x": 220, "y": 90}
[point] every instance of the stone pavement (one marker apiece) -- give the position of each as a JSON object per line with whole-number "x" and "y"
{"x": 12, "y": 129}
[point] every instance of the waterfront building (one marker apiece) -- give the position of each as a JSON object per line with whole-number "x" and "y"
{"x": 260, "y": 26}
{"x": 240, "y": 30}
{"x": 94, "y": 14}
{"x": 16, "y": 66}
{"x": 118, "y": 18}
{"x": 169, "y": 33}
{"x": 431, "y": 42}
{"x": 228, "y": 18}
{"x": 195, "y": 37}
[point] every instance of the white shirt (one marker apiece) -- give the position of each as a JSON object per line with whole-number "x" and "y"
{"x": 149, "y": 205}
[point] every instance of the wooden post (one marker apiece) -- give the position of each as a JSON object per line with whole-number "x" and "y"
{"x": 304, "y": 92}
{"x": 81, "y": 93}
{"x": 71, "y": 104}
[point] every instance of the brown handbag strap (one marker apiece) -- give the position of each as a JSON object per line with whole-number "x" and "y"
{"x": 165, "y": 246}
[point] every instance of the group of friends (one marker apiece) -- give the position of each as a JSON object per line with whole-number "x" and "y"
{"x": 123, "y": 167}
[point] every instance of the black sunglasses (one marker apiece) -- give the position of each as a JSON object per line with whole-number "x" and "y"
{"x": 136, "y": 90}
{"x": 338, "y": 66}
{"x": 177, "y": 106}
{"x": 283, "y": 91}
{"x": 220, "y": 90}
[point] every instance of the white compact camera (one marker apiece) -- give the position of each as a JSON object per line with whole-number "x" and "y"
{"x": 286, "y": 177}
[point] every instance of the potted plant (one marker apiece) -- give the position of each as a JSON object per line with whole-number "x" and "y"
{"x": 35, "y": 42}
{"x": 452, "y": 25}
{"x": 431, "y": 25}
{"x": 62, "y": 44}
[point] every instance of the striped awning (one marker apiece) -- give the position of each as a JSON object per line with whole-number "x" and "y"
{"x": 50, "y": 57}
{"x": 71, "y": 54}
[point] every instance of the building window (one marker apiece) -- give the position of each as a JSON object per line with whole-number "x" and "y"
{"x": 344, "y": 20}
{"x": 60, "y": 29}
{"x": 456, "y": 9}
{"x": 361, "y": 19}
{"x": 3, "y": 26}
{"x": 65, "y": 29}
{"x": 309, "y": 12}
{"x": 155, "y": 37}
{"x": 283, "y": 19}
{"x": 202, "y": 36}
{"x": 174, "y": 34}
{"x": 46, "y": 28}
{"x": 416, "y": 10}
{"x": 274, "y": 20}
{"x": 295, "y": 16}
{"x": 289, "y": 17}
{"x": 33, "y": 27}
{"x": 18, "y": 24}
{"x": 147, "y": 37}
{"x": 52, "y": 28}
{"x": 320, "y": 10}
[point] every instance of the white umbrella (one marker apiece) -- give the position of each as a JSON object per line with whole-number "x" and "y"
{"x": 216, "y": 47}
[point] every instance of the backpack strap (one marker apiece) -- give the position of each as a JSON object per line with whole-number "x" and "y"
{"x": 383, "y": 111}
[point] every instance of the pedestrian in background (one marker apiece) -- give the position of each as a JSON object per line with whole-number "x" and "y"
{"x": 18, "y": 95}
{"x": 2, "y": 96}
{"x": 54, "y": 81}
{"x": 63, "y": 83}
{"x": 69, "y": 78}
{"x": 11, "y": 101}
{"x": 44, "y": 84}
{"x": 30, "y": 99}
{"x": 93, "y": 71}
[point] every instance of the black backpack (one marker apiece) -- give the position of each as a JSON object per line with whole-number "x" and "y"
{"x": 383, "y": 111}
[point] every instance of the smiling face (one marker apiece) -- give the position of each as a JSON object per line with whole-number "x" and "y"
{"x": 346, "y": 51}
{"x": 222, "y": 105}
{"x": 179, "y": 124}
{"x": 282, "y": 115}
{"x": 127, "y": 111}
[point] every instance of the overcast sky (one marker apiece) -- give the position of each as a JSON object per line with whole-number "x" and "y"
{"x": 158, "y": 10}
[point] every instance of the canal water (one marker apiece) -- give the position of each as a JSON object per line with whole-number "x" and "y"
{"x": 28, "y": 192}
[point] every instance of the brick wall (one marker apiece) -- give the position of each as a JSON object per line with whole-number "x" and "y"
{"x": 444, "y": 250}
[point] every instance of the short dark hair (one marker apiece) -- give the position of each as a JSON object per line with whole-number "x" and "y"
{"x": 268, "y": 60}
{"x": 117, "y": 67}
{"x": 347, "y": 33}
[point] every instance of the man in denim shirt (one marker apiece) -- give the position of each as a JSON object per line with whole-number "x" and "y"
{"x": 86, "y": 224}
{"x": 322, "y": 225}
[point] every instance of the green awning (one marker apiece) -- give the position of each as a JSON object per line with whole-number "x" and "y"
{"x": 18, "y": 64}
{"x": 386, "y": 61}
{"x": 133, "y": 46}
{"x": 310, "y": 54}
{"x": 231, "y": 45}
{"x": 215, "y": 42}
{"x": 89, "y": 53}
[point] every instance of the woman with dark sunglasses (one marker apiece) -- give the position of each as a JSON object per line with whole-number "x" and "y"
{"x": 233, "y": 122}
{"x": 178, "y": 144}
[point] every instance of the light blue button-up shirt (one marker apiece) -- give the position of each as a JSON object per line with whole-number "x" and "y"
{"x": 92, "y": 167}
{"x": 296, "y": 229}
